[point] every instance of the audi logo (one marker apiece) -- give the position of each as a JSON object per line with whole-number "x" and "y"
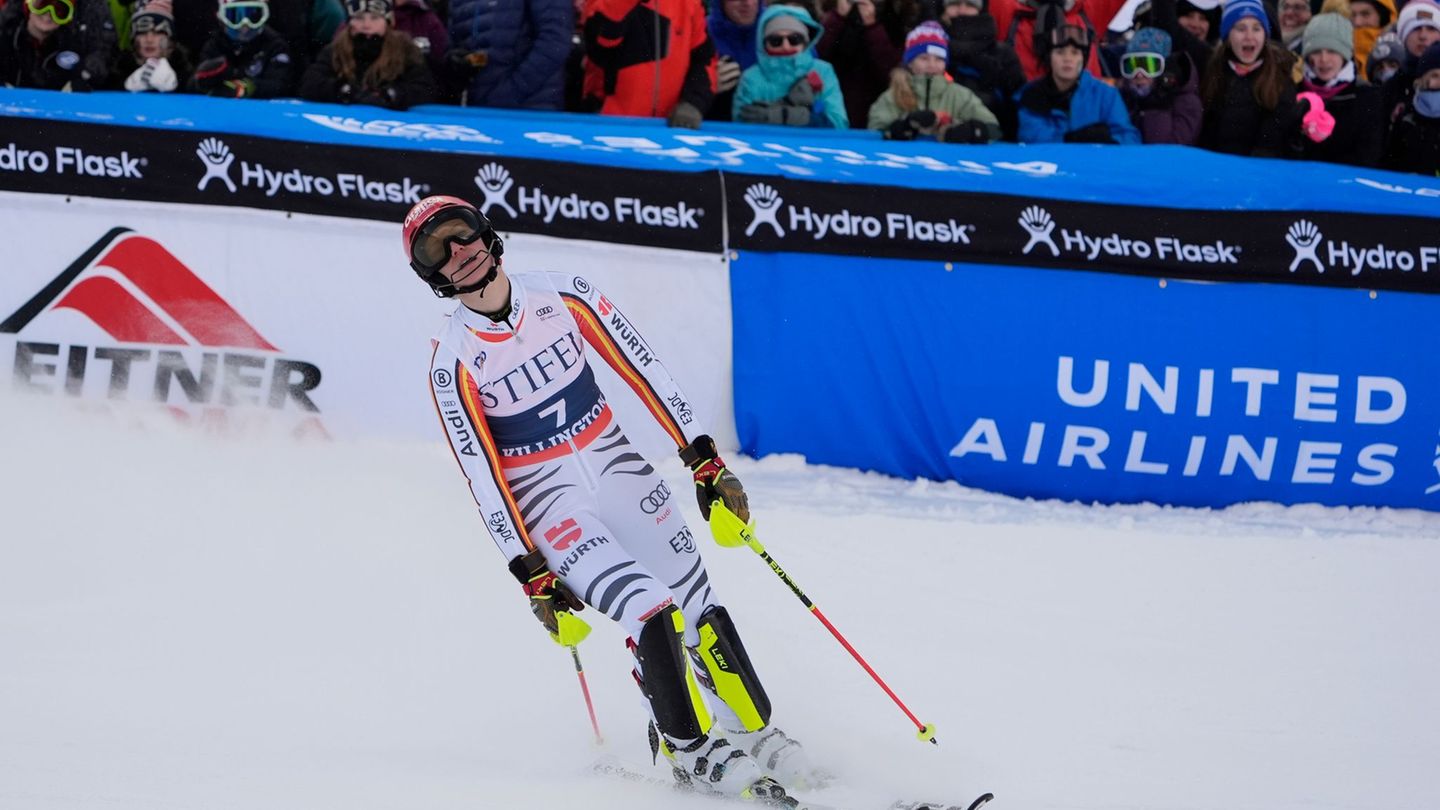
{"x": 651, "y": 503}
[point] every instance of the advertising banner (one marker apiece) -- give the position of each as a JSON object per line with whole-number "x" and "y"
{"x": 1089, "y": 386}
{"x": 248, "y": 320}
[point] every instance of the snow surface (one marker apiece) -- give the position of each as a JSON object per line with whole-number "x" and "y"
{"x": 193, "y": 622}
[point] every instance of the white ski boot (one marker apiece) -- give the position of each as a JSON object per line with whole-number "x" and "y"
{"x": 780, "y": 757}
{"x": 713, "y": 764}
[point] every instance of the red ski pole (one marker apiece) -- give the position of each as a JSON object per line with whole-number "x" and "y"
{"x": 585, "y": 688}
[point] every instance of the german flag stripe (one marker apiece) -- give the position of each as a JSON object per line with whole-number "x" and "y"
{"x": 470, "y": 401}
{"x": 594, "y": 331}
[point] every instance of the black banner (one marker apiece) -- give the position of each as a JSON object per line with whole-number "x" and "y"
{"x": 692, "y": 210}
{"x": 1305, "y": 247}
{"x": 608, "y": 204}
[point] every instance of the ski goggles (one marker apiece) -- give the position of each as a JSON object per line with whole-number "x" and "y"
{"x": 434, "y": 243}
{"x": 61, "y": 11}
{"x": 251, "y": 14}
{"x": 1063, "y": 35}
{"x": 1150, "y": 65}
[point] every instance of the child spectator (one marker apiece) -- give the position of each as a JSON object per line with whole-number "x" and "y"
{"x": 732, "y": 29}
{"x": 371, "y": 63}
{"x": 923, "y": 101}
{"x": 1418, "y": 27}
{"x": 154, "y": 63}
{"x": 56, "y": 44}
{"x": 1247, "y": 91}
{"x": 1161, "y": 89}
{"x": 1415, "y": 140}
{"x": 245, "y": 58}
{"x": 1359, "y": 129}
{"x": 863, "y": 42}
{"x": 306, "y": 25}
{"x": 1026, "y": 25}
{"x": 627, "y": 72}
{"x": 519, "y": 49}
{"x": 1369, "y": 18}
{"x": 1385, "y": 58}
{"x": 1068, "y": 104}
{"x": 788, "y": 84}
{"x": 982, "y": 64}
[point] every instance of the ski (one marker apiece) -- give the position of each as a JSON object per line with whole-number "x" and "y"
{"x": 613, "y": 767}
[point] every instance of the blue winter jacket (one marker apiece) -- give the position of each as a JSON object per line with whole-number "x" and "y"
{"x": 526, "y": 43}
{"x": 771, "y": 77}
{"x": 1094, "y": 102}
{"x": 734, "y": 41}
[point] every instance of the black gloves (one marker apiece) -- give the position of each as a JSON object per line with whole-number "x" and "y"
{"x": 1095, "y": 133}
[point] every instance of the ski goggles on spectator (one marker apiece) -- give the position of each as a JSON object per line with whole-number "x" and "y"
{"x": 61, "y": 11}
{"x": 1149, "y": 65}
{"x": 781, "y": 40}
{"x": 434, "y": 244}
{"x": 1063, "y": 35}
{"x": 244, "y": 14}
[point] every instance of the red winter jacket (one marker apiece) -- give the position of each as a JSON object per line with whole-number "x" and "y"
{"x": 1098, "y": 13}
{"x": 624, "y": 74}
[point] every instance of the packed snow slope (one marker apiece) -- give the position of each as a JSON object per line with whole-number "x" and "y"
{"x": 193, "y": 622}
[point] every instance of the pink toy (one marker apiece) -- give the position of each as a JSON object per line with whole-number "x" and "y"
{"x": 1317, "y": 124}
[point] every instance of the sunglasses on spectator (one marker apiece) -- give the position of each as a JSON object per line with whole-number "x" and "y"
{"x": 61, "y": 11}
{"x": 1069, "y": 35}
{"x": 429, "y": 250}
{"x": 779, "y": 40}
{"x": 244, "y": 14}
{"x": 1145, "y": 64}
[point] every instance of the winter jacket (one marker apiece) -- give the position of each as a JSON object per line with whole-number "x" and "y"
{"x": 986, "y": 67}
{"x": 771, "y": 77}
{"x": 862, "y": 57}
{"x": 1360, "y": 126}
{"x": 525, "y": 43}
{"x": 76, "y": 56}
{"x": 1239, "y": 126}
{"x": 736, "y": 42}
{"x": 264, "y": 60}
{"x": 414, "y": 86}
{"x": 1015, "y": 21}
{"x": 1414, "y": 145}
{"x": 1050, "y": 116}
{"x": 938, "y": 94}
{"x": 1172, "y": 112}
{"x": 625, "y": 73}
{"x": 425, "y": 27}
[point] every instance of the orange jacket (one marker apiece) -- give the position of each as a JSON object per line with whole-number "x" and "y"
{"x": 642, "y": 57}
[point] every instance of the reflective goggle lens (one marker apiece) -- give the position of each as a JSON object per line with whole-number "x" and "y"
{"x": 1145, "y": 64}
{"x": 431, "y": 247}
{"x": 61, "y": 11}
{"x": 245, "y": 15}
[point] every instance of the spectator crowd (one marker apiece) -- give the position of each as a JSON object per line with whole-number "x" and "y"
{"x": 1341, "y": 81}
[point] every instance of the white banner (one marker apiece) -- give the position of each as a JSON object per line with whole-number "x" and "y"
{"x": 227, "y": 317}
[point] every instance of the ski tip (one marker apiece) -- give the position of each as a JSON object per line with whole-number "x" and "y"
{"x": 982, "y": 801}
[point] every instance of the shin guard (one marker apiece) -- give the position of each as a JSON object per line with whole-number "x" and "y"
{"x": 721, "y": 657}
{"x": 666, "y": 680}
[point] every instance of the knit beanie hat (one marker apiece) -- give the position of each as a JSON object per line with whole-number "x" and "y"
{"x": 1429, "y": 60}
{"x": 927, "y": 37}
{"x": 1150, "y": 40}
{"x": 1233, "y": 11}
{"x": 1329, "y": 32}
{"x": 1417, "y": 14}
{"x": 385, "y": 8}
{"x": 155, "y": 16}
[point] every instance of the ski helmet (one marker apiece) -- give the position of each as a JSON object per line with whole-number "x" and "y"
{"x": 428, "y": 252}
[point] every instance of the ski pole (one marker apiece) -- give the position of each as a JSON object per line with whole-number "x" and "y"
{"x": 585, "y": 688}
{"x": 730, "y": 532}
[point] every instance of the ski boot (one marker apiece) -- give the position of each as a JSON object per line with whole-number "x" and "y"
{"x": 780, "y": 757}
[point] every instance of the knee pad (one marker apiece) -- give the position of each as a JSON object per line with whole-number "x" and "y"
{"x": 721, "y": 656}
{"x": 666, "y": 680}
